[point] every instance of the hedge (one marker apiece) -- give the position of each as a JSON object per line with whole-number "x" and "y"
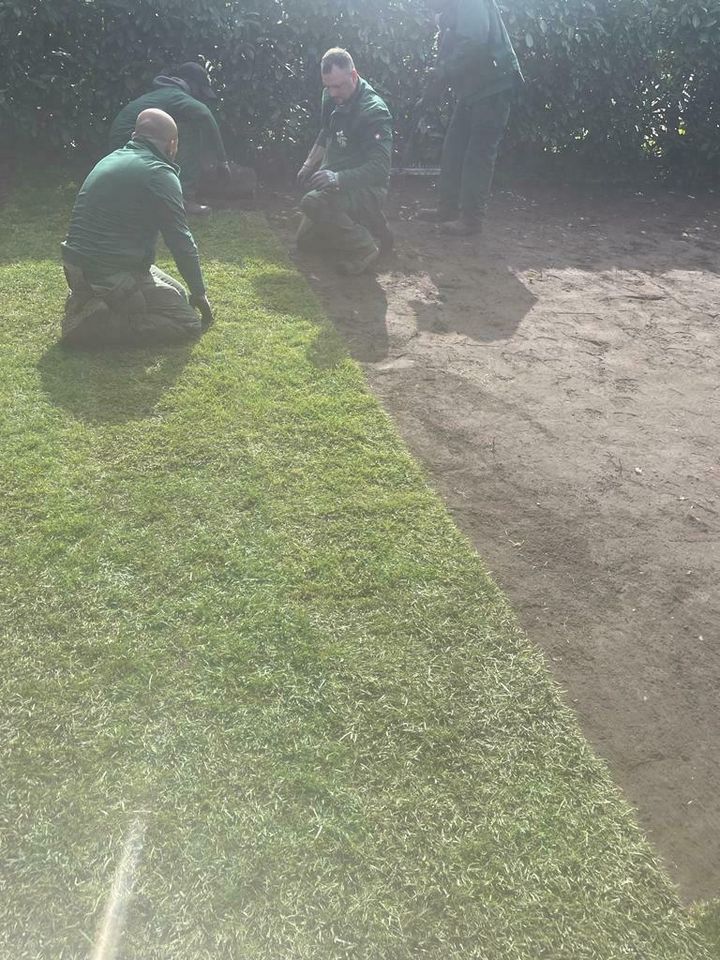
{"x": 615, "y": 81}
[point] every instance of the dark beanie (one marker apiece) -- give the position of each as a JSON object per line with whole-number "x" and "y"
{"x": 198, "y": 80}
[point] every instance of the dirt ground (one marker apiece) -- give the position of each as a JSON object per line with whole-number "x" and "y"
{"x": 559, "y": 378}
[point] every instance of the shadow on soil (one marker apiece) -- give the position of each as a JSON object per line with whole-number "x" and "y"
{"x": 488, "y": 305}
{"x": 523, "y": 368}
{"x": 470, "y": 286}
{"x": 358, "y": 316}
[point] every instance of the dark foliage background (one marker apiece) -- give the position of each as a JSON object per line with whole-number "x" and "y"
{"x": 615, "y": 83}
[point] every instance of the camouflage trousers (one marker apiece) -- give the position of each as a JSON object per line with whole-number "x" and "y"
{"x": 127, "y": 308}
{"x": 345, "y": 224}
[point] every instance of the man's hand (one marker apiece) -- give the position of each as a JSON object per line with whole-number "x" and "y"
{"x": 201, "y": 304}
{"x": 304, "y": 173}
{"x": 223, "y": 171}
{"x": 324, "y": 180}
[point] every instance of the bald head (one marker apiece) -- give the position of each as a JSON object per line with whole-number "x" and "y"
{"x": 160, "y": 128}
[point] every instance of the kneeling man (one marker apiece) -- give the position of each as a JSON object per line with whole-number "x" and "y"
{"x": 347, "y": 170}
{"x": 129, "y": 198}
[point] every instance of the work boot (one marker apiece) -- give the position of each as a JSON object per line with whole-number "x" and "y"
{"x": 192, "y": 208}
{"x": 81, "y": 324}
{"x": 436, "y": 215}
{"x": 353, "y": 268}
{"x": 462, "y": 227}
{"x": 386, "y": 242}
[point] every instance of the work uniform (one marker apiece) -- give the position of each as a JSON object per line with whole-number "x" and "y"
{"x": 357, "y": 137}
{"x": 117, "y": 294}
{"x": 476, "y": 59}
{"x": 200, "y": 142}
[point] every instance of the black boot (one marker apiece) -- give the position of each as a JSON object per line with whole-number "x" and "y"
{"x": 386, "y": 242}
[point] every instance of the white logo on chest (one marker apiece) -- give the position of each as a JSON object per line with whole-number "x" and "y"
{"x": 341, "y": 139}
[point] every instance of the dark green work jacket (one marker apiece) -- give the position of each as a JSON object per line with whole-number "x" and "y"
{"x": 129, "y": 198}
{"x": 357, "y": 136}
{"x": 475, "y": 55}
{"x": 181, "y": 106}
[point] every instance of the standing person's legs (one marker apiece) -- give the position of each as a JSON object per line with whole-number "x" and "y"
{"x": 488, "y": 121}
{"x": 190, "y": 158}
{"x": 452, "y": 160}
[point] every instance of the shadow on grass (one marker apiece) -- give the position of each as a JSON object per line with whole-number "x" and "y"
{"x": 357, "y": 308}
{"x": 112, "y": 385}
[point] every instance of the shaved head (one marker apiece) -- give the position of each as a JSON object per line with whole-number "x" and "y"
{"x": 160, "y": 128}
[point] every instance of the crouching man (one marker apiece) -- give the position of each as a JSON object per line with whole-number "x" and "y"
{"x": 347, "y": 170}
{"x": 201, "y": 154}
{"x": 117, "y": 295}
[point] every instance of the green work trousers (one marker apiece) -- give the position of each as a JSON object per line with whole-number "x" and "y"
{"x": 469, "y": 154}
{"x": 193, "y": 157}
{"x": 341, "y": 223}
{"x": 127, "y": 308}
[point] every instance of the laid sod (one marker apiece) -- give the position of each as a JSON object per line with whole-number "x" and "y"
{"x": 238, "y": 626}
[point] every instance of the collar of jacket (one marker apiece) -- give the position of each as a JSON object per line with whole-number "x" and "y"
{"x": 142, "y": 143}
{"x": 344, "y": 108}
{"x": 163, "y": 81}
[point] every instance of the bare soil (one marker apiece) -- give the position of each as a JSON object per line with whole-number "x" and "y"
{"x": 559, "y": 378}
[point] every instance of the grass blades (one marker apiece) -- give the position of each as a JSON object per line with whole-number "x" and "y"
{"x": 237, "y": 622}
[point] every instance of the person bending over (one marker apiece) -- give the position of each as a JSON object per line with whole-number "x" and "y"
{"x": 184, "y": 97}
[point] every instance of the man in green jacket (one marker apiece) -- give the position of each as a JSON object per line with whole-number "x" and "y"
{"x": 184, "y": 97}
{"x": 476, "y": 59}
{"x": 117, "y": 295}
{"x": 347, "y": 170}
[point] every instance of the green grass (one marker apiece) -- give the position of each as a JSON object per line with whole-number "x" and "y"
{"x": 233, "y": 610}
{"x": 706, "y": 916}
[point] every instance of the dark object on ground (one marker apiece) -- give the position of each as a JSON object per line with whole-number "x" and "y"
{"x": 234, "y": 186}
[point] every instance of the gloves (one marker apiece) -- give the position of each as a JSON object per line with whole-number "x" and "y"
{"x": 324, "y": 180}
{"x": 206, "y": 314}
{"x": 303, "y": 173}
{"x": 223, "y": 171}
